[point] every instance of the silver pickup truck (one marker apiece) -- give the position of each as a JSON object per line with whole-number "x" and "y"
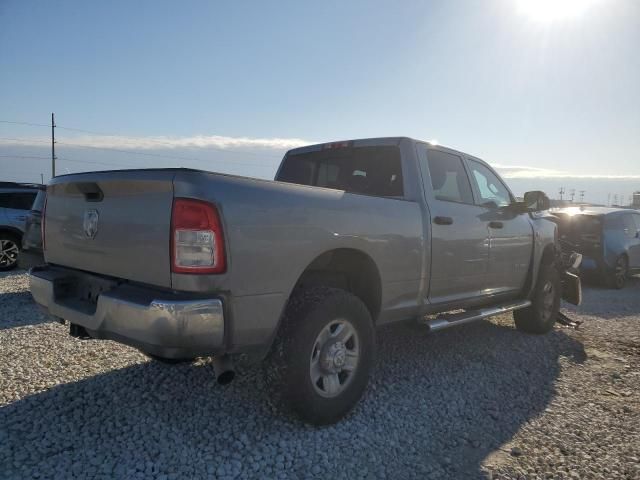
{"x": 299, "y": 271}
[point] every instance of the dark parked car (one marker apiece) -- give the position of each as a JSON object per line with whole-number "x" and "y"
{"x": 31, "y": 254}
{"x": 607, "y": 238}
{"x": 16, "y": 200}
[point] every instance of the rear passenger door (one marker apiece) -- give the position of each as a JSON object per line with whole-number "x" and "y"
{"x": 459, "y": 237}
{"x": 510, "y": 233}
{"x": 18, "y": 206}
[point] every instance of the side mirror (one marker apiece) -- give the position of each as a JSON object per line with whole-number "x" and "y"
{"x": 536, "y": 201}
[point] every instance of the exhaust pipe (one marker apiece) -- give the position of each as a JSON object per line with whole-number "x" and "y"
{"x": 223, "y": 369}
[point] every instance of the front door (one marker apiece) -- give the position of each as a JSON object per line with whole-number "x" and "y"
{"x": 510, "y": 233}
{"x": 459, "y": 237}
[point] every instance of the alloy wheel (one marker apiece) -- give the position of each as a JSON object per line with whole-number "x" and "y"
{"x": 548, "y": 299}
{"x": 8, "y": 253}
{"x": 620, "y": 272}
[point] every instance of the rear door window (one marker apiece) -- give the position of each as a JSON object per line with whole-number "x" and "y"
{"x": 628, "y": 225}
{"x": 449, "y": 179}
{"x": 5, "y": 200}
{"x": 17, "y": 200}
{"x": 375, "y": 171}
{"x": 22, "y": 201}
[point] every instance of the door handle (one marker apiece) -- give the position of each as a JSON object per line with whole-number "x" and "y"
{"x": 496, "y": 225}
{"x": 443, "y": 220}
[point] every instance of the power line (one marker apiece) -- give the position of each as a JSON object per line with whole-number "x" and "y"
{"x": 21, "y": 171}
{"x": 158, "y": 155}
{"x": 91, "y": 162}
{"x": 132, "y": 152}
{"x": 66, "y": 159}
{"x": 38, "y": 157}
{"x": 169, "y": 144}
{"x": 25, "y": 123}
{"x": 151, "y": 140}
{"x": 26, "y": 140}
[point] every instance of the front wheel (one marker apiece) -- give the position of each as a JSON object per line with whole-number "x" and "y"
{"x": 541, "y": 315}
{"x": 320, "y": 363}
{"x": 617, "y": 276}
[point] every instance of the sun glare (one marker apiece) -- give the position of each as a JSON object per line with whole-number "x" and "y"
{"x": 553, "y": 10}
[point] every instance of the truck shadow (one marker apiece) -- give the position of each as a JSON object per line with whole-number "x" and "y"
{"x": 438, "y": 405}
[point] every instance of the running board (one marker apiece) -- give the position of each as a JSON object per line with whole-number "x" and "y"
{"x": 447, "y": 320}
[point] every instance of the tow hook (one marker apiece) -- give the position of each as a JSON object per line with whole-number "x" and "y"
{"x": 78, "y": 331}
{"x": 568, "y": 322}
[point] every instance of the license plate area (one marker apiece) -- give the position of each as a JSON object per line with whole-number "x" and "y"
{"x": 81, "y": 291}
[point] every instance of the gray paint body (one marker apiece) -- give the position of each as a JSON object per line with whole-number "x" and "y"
{"x": 274, "y": 231}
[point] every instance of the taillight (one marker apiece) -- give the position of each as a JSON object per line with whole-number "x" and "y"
{"x": 197, "y": 240}
{"x": 42, "y": 222}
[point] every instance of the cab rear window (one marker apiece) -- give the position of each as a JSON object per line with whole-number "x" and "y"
{"x": 375, "y": 171}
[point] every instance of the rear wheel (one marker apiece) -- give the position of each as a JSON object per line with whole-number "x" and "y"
{"x": 320, "y": 363}
{"x": 9, "y": 250}
{"x": 545, "y": 304}
{"x": 617, "y": 276}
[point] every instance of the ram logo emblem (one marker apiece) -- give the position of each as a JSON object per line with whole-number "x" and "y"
{"x": 90, "y": 223}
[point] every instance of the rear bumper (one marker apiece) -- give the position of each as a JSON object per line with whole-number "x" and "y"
{"x": 160, "y": 323}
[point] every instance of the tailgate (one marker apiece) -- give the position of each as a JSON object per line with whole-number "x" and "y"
{"x": 113, "y": 223}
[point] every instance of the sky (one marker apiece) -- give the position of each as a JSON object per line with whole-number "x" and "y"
{"x": 547, "y": 91}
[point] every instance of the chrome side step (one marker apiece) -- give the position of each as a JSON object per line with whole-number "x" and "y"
{"x": 447, "y": 320}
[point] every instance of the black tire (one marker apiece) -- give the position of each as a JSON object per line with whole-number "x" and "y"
{"x": 311, "y": 315}
{"x": 616, "y": 277}
{"x": 9, "y": 251}
{"x": 540, "y": 317}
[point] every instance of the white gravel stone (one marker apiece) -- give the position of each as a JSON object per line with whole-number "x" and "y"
{"x": 451, "y": 405}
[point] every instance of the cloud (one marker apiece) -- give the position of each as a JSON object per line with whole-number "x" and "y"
{"x": 161, "y": 142}
{"x": 519, "y": 171}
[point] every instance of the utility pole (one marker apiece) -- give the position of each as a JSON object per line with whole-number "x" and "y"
{"x": 42, "y": 178}
{"x": 582, "y": 196}
{"x": 53, "y": 145}
{"x": 561, "y": 192}
{"x": 573, "y": 194}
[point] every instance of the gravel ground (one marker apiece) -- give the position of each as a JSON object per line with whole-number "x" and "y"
{"x": 474, "y": 402}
